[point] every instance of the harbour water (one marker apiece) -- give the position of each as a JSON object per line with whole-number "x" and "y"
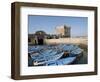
{"x": 83, "y": 59}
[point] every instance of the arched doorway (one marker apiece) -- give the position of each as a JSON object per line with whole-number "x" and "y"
{"x": 40, "y": 37}
{"x": 40, "y": 41}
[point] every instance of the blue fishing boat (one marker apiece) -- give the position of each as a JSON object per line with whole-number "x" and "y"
{"x": 62, "y": 54}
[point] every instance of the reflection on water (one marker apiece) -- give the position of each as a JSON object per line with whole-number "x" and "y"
{"x": 83, "y": 59}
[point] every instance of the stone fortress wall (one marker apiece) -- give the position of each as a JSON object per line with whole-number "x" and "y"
{"x": 62, "y": 36}
{"x": 67, "y": 41}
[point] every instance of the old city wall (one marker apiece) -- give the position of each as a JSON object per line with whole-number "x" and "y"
{"x": 67, "y": 41}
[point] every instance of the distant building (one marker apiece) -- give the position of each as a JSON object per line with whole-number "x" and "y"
{"x": 63, "y": 31}
{"x": 39, "y": 36}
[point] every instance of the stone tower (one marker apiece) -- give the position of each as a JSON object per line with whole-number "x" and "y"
{"x": 63, "y": 31}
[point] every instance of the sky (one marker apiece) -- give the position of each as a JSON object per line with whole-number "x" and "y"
{"x": 79, "y": 25}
